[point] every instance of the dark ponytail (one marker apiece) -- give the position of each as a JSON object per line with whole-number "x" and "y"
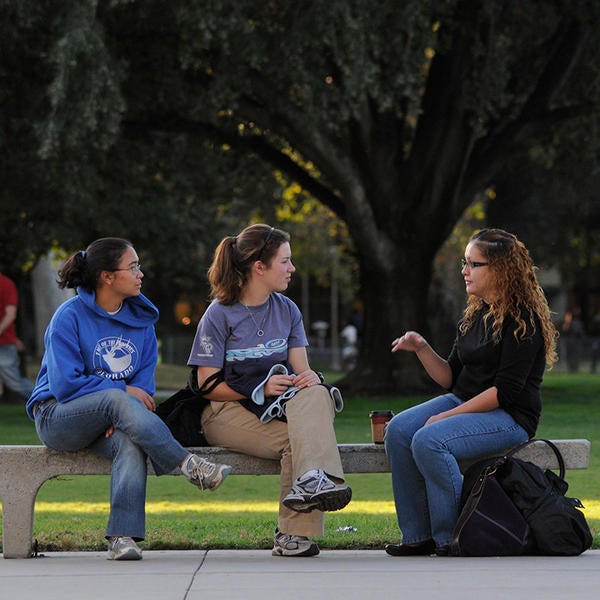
{"x": 83, "y": 268}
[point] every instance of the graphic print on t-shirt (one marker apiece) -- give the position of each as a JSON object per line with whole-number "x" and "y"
{"x": 206, "y": 345}
{"x": 274, "y": 346}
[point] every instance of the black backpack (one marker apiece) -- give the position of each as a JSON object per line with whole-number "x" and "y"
{"x": 182, "y": 412}
{"x": 556, "y": 525}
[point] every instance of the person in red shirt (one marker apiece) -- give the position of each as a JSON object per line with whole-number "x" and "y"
{"x": 10, "y": 373}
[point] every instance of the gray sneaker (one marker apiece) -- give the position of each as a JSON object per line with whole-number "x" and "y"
{"x": 204, "y": 474}
{"x": 315, "y": 491}
{"x": 123, "y": 548}
{"x": 293, "y": 545}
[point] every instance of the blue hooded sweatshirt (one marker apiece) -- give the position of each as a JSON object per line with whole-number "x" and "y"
{"x": 88, "y": 349}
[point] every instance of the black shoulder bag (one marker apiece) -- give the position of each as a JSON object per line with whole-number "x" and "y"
{"x": 512, "y": 507}
{"x": 182, "y": 412}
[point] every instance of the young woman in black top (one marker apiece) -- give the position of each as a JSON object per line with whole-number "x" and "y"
{"x": 503, "y": 343}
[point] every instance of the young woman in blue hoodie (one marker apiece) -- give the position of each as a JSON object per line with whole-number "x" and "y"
{"x": 96, "y": 384}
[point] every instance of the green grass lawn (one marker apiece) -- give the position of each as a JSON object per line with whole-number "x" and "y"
{"x": 71, "y": 512}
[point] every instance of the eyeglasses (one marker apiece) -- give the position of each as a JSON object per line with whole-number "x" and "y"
{"x": 267, "y": 238}
{"x": 135, "y": 269}
{"x": 472, "y": 265}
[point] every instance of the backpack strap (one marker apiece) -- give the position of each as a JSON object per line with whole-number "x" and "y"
{"x": 559, "y": 458}
{"x": 209, "y": 384}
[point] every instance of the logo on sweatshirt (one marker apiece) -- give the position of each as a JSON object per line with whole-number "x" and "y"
{"x": 114, "y": 357}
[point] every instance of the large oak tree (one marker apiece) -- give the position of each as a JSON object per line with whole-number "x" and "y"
{"x": 393, "y": 114}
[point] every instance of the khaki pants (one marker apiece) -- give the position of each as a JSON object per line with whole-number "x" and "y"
{"x": 307, "y": 441}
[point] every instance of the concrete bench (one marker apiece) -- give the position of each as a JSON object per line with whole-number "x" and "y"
{"x": 25, "y": 468}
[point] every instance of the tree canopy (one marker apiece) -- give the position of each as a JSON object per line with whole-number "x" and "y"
{"x": 393, "y": 115}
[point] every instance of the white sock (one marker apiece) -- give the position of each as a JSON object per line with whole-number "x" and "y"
{"x": 185, "y": 465}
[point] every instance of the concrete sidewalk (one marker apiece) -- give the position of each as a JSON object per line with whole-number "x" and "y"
{"x": 334, "y": 575}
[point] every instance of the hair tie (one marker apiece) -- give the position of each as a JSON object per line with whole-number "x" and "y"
{"x": 82, "y": 253}
{"x": 233, "y": 240}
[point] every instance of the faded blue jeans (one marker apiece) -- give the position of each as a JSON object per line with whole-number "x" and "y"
{"x": 426, "y": 478}
{"x": 139, "y": 433}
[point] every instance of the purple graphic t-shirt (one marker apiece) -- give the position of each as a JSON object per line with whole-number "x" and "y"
{"x": 228, "y": 337}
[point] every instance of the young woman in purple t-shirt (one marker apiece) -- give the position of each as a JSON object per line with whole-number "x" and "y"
{"x": 253, "y": 338}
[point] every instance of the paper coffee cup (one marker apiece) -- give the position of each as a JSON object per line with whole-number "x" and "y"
{"x": 379, "y": 421}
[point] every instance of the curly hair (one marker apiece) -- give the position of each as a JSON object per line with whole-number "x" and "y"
{"x": 518, "y": 289}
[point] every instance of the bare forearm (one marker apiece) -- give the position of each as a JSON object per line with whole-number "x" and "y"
{"x": 222, "y": 392}
{"x": 437, "y": 368}
{"x": 483, "y": 402}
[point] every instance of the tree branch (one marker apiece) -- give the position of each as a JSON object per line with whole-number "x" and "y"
{"x": 256, "y": 143}
{"x": 569, "y": 41}
{"x": 506, "y": 141}
{"x": 513, "y": 144}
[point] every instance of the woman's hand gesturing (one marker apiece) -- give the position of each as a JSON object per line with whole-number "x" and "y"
{"x": 411, "y": 341}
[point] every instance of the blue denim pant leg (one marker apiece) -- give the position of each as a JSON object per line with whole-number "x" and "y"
{"x": 127, "y": 485}
{"x": 426, "y": 477}
{"x": 408, "y": 484}
{"x": 10, "y": 373}
{"x": 82, "y": 423}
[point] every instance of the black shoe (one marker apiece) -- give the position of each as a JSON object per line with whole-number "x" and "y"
{"x": 442, "y": 551}
{"x": 422, "y": 549}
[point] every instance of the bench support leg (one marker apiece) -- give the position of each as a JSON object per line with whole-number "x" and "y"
{"x": 18, "y": 493}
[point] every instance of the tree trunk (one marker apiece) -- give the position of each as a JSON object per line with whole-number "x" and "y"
{"x": 394, "y": 292}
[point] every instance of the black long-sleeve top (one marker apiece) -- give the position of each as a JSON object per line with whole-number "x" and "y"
{"x": 515, "y": 367}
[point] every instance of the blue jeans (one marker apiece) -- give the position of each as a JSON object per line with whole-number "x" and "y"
{"x": 10, "y": 372}
{"x": 426, "y": 478}
{"x": 139, "y": 433}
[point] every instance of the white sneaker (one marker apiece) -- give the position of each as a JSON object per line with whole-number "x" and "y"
{"x": 293, "y": 545}
{"x": 123, "y": 548}
{"x": 315, "y": 491}
{"x": 204, "y": 474}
